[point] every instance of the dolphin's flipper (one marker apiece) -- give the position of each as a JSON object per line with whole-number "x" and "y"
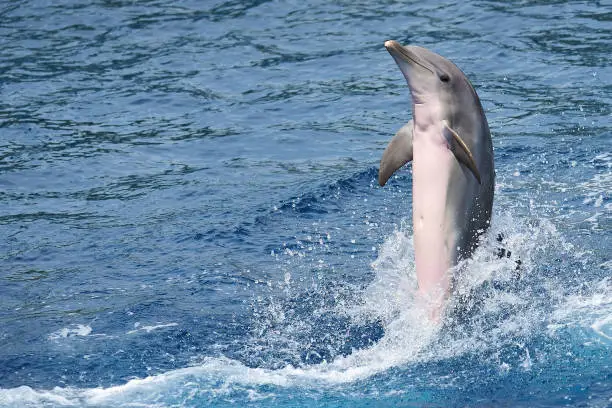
{"x": 397, "y": 153}
{"x": 460, "y": 150}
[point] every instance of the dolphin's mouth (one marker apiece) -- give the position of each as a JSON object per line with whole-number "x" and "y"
{"x": 397, "y": 51}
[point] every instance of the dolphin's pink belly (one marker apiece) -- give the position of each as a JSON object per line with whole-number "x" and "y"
{"x": 433, "y": 225}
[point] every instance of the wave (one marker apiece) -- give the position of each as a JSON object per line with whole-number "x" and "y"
{"x": 496, "y": 306}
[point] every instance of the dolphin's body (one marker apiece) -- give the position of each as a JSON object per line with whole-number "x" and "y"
{"x": 449, "y": 143}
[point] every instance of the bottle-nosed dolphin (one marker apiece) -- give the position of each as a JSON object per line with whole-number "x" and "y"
{"x": 449, "y": 144}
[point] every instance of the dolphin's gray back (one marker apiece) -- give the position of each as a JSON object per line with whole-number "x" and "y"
{"x": 475, "y": 211}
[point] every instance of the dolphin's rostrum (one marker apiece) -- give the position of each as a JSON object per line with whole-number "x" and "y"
{"x": 449, "y": 144}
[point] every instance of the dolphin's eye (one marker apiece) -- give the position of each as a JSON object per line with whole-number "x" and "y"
{"x": 444, "y": 78}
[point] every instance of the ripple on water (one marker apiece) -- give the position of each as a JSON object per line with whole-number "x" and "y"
{"x": 191, "y": 213}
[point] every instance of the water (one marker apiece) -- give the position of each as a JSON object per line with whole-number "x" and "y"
{"x": 191, "y": 218}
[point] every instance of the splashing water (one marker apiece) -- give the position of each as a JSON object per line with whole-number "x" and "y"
{"x": 317, "y": 337}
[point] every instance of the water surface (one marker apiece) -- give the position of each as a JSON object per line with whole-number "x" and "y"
{"x": 191, "y": 217}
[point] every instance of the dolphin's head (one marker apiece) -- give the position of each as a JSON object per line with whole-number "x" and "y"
{"x": 428, "y": 74}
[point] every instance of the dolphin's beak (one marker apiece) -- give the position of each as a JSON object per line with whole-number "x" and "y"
{"x": 403, "y": 55}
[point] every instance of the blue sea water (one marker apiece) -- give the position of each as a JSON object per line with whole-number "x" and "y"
{"x": 190, "y": 216}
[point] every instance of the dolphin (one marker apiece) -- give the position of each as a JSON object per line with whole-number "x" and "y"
{"x": 453, "y": 175}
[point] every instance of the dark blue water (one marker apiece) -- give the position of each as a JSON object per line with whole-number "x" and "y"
{"x": 190, "y": 215}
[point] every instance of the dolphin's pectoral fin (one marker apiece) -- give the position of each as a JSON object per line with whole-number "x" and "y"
{"x": 460, "y": 150}
{"x": 397, "y": 153}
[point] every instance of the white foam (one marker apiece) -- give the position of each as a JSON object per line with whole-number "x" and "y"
{"x": 592, "y": 309}
{"x": 149, "y": 329}
{"x": 394, "y": 285}
{"x": 603, "y": 327}
{"x": 26, "y": 396}
{"x": 75, "y": 330}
